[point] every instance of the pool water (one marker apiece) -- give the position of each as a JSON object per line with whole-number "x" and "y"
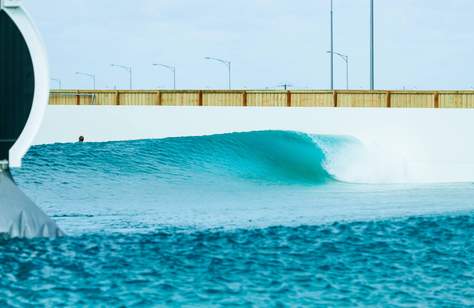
{"x": 260, "y": 218}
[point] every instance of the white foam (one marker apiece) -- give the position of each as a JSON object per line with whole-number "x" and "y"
{"x": 375, "y": 163}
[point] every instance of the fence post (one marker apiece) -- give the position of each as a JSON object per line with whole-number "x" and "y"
{"x": 158, "y": 98}
{"x": 78, "y": 98}
{"x": 389, "y": 99}
{"x": 288, "y": 98}
{"x": 200, "y": 98}
{"x": 334, "y": 98}
{"x": 117, "y": 98}
{"x": 436, "y": 100}
{"x": 244, "y": 99}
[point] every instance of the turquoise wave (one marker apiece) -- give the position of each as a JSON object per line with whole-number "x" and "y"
{"x": 263, "y": 156}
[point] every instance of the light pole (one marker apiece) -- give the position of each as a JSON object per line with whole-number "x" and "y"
{"x": 128, "y": 69}
{"x": 58, "y": 81}
{"x": 172, "y": 69}
{"x": 285, "y": 86}
{"x": 92, "y": 76}
{"x": 226, "y": 63}
{"x": 345, "y": 58}
{"x": 332, "y": 46}
{"x": 372, "y": 47}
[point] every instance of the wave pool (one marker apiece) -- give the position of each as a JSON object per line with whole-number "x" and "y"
{"x": 258, "y": 218}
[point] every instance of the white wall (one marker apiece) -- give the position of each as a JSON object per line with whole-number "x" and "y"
{"x": 41, "y": 72}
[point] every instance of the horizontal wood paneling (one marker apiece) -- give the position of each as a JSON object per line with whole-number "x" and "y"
{"x": 305, "y": 99}
{"x": 456, "y": 100}
{"x": 361, "y": 99}
{"x": 410, "y": 100}
{"x": 340, "y": 98}
{"x": 267, "y": 99}
{"x": 137, "y": 99}
{"x": 177, "y": 98}
{"x": 223, "y": 99}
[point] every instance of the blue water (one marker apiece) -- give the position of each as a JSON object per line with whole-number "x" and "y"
{"x": 252, "y": 218}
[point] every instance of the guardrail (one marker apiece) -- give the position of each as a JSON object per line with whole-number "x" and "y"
{"x": 264, "y": 98}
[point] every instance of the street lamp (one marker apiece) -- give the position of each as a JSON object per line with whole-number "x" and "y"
{"x": 92, "y": 76}
{"x": 172, "y": 69}
{"x": 372, "y": 48}
{"x": 345, "y": 58}
{"x": 332, "y": 46}
{"x": 58, "y": 81}
{"x": 226, "y": 63}
{"x": 285, "y": 86}
{"x": 128, "y": 69}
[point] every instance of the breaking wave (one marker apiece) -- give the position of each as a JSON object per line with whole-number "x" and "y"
{"x": 264, "y": 156}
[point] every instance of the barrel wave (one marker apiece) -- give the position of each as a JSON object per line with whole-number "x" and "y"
{"x": 264, "y": 157}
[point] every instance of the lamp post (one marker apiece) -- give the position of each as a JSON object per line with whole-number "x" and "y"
{"x": 285, "y": 86}
{"x": 58, "y": 81}
{"x": 372, "y": 47}
{"x": 128, "y": 69}
{"x": 172, "y": 69}
{"x": 226, "y": 63}
{"x": 345, "y": 58}
{"x": 332, "y": 46}
{"x": 92, "y": 76}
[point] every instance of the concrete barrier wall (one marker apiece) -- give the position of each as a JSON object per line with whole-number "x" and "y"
{"x": 252, "y": 98}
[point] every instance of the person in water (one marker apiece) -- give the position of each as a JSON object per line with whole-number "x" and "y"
{"x": 81, "y": 139}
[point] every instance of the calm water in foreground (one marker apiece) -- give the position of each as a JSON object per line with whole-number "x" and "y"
{"x": 239, "y": 219}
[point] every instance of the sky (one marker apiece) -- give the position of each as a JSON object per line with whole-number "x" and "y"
{"x": 420, "y": 44}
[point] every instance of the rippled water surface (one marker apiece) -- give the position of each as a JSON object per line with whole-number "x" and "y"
{"x": 256, "y": 218}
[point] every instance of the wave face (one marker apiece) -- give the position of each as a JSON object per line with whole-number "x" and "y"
{"x": 263, "y": 157}
{"x": 259, "y": 157}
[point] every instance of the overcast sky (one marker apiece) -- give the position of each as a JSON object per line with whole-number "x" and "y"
{"x": 420, "y": 44}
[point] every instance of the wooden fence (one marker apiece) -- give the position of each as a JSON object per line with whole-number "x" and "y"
{"x": 244, "y": 98}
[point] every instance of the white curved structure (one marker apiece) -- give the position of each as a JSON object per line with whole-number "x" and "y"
{"x": 24, "y": 92}
{"x": 41, "y": 75}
